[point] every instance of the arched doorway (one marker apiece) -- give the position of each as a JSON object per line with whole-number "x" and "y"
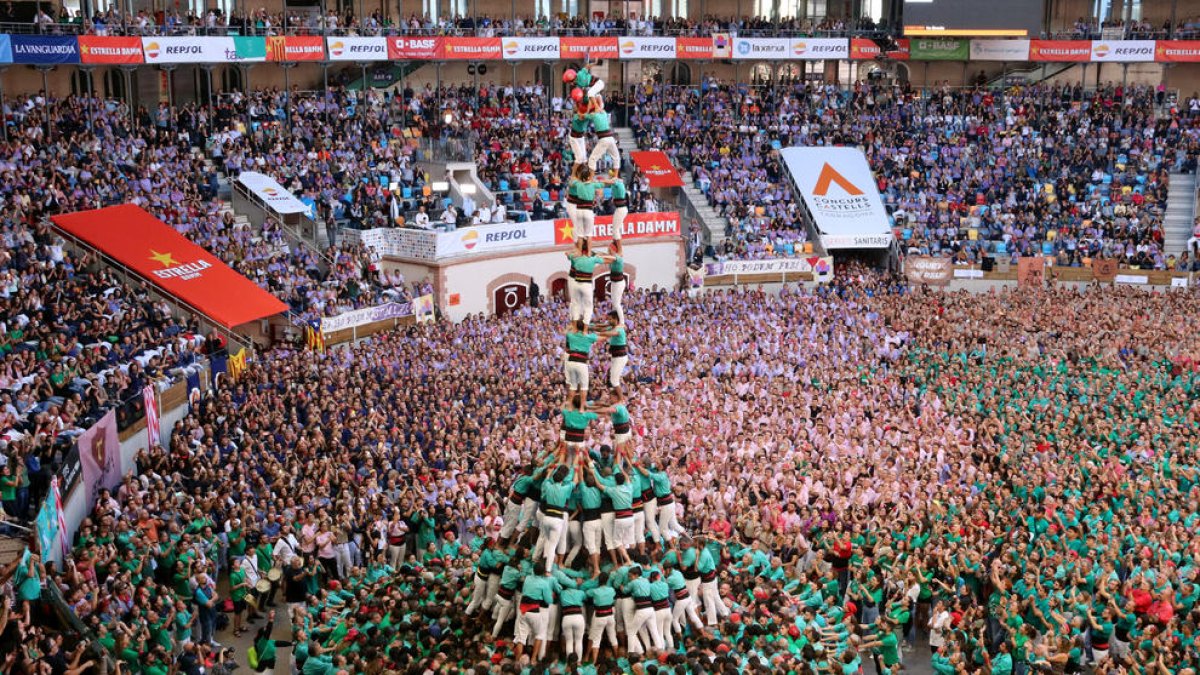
{"x": 114, "y": 84}
{"x": 681, "y": 73}
{"x": 509, "y": 298}
{"x": 601, "y": 284}
{"x": 558, "y": 289}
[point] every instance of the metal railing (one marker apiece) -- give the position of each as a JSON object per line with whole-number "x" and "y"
{"x": 298, "y": 228}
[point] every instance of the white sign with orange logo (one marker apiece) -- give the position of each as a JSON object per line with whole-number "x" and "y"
{"x": 813, "y": 49}
{"x": 840, "y": 193}
{"x": 275, "y": 196}
{"x": 357, "y": 48}
{"x": 646, "y": 47}
{"x": 530, "y": 49}
{"x": 190, "y": 49}
{"x": 490, "y": 238}
{"x": 1122, "y": 51}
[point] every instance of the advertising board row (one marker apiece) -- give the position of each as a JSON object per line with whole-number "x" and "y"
{"x": 114, "y": 50}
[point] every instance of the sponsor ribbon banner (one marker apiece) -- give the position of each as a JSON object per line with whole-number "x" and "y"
{"x": 584, "y": 47}
{"x": 530, "y": 49}
{"x": 693, "y": 48}
{"x": 109, "y": 49}
{"x": 190, "y": 49}
{"x": 357, "y": 48}
{"x": 100, "y": 454}
{"x": 414, "y": 48}
{"x": 1132, "y": 279}
{"x": 249, "y": 48}
{"x": 471, "y": 48}
{"x": 1166, "y": 51}
{"x": 999, "y": 50}
{"x": 762, "y": 48}
{"x": 940, "y": 49}
{"x": 657, "y": 167}
{"x": 362, "y": 317}
{"x": 922, "y": 270}
{"x": 815, "y": 49}
{"x": 155, "y": 251}
{"x": 44, "y": 49}
{"x": 722, "y": 46}
{"x": 841, "y": 194}
{"x": 1122, "y": 51}
{"x": 274, "y": 195}
{"x": 489, "y": 238}
{"x": 646, "y": 47}
{"x": 772, "y": 266}
{"x": 862, "y": 48}
{"x": 5, "y": 49}
{"x": 47, "y": 525}
{"x": 636, "y": 226}
{"x": 296, "y": 48}
{"x": 1070, "y": 51}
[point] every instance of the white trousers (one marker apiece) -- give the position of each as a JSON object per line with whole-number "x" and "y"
{"x": 662, "y": 620}
{"x": 578, "y": 148}
{"x": 714, "y": 608}
{"x": 607, "y": 522}
{"x": 639, "y": 526}
{"x": 478, "y": 594}
{"x": 607, "y": 145}
{"x": 501, "y": 612}
{"x": 576, "y": 374}
{"x": 685, "y": 607}
{"x": 592, "y": 530}
{"x": 517, "y": 518}
{"x": 650, "y": 513}
{"x": 668, "y": 523}
{"x": 616, "y": 294}
{"x": 584, "y": 222}
{"x": 573, "y": 629}
{"x": 583, "y": 299}
{"x": 553, "y": 529}
{"x": 573, "y": 542}
{"x": 623, "y": 532}
{"x": 641, "y": 618}
{"x": 531, "y": 625}
{"x": 618, "y": 222}
{"x": 601, "y": 626}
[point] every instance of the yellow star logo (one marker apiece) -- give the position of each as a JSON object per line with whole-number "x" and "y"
{"x": 567, "y": 230}
{"x": 655, "y": 167}
{"x": 165, "y": 258}
{"x": 85, "y": 49}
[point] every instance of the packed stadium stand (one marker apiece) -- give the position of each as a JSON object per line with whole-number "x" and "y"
{"x": 972, "y": 449}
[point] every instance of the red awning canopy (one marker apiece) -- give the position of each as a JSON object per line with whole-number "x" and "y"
{"x": 167, "y": 259}
{"x": 657, "y": 167}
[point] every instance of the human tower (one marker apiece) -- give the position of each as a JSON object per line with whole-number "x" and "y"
{"x": 637, "y": 589}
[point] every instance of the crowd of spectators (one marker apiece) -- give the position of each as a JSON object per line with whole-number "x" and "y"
{"x": 214, "y": 21}
{"x": 966, "y": 172}
{"x": 857, "y": 463}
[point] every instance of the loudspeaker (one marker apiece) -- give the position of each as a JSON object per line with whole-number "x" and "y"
{"x": 989, "y": 263}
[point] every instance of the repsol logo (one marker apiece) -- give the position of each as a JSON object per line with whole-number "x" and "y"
{"x": 658, "y": 48}
{"x": 181, "y": 49}
{"x": 365, "y": 49}
{"x": 1133, "y": 51}
{"x": 507, "y": 235}
{"x": 539, "y": 48}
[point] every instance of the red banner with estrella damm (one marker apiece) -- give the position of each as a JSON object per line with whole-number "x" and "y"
{"x": 157, "y": 253}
